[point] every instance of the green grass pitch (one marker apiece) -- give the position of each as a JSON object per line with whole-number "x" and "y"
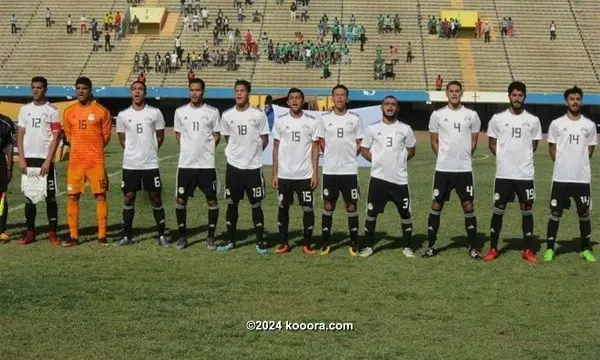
{"x": 145, "y": 302}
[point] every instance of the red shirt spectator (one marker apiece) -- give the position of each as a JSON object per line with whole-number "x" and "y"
{"x": 299, "y": 37}
{"x": 478, "y": 28}
{"x": 118, "y": 19}
{"x": 191, "y": 75}
{"x": 439, "y": 81}
{"x": 142, "y": 77}
{"x": 248, "y": 37}
{"x": 254, "y": 48}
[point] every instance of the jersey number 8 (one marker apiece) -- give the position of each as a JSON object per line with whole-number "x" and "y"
{"x": 340, "y": 132}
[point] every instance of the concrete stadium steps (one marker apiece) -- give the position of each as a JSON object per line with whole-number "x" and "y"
{"x": 588, "y": 14}
{"x": 51, "y": 52}
{"x": 441, "y": 55}
{"x": 489, "y": 59}
{"x": 546, "y": 65}
{"x": 24, "y": 12}
{"x": 360, "y": 73}
{"x": 278, "y": 26}
{"x": 193, "y": 41}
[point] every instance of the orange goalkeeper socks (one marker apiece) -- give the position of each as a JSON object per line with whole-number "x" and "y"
{"x": 73, "y": 216}
{"x": 101, "y": 215}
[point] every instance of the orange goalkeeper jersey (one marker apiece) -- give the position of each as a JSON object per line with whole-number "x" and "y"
{"x": 88, "y": 129}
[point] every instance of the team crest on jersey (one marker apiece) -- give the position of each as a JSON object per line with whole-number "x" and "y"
{"x": 148, "y": 119}
{"x": 306, "y": 128}
{"x": 91, "y": 117}
{"x": 349, "y": 123}
{"x": 584, "y": 131}
{"x": 526, "y": 125}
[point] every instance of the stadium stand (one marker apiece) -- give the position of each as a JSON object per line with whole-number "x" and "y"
{"x": 530, "y": 55}
{"x": 61, "y": 57}
{"x": 546, "y": 65}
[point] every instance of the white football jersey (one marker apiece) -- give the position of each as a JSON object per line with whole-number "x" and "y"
{"x": 139, "y": 127}
{"x": 197, "y": 143}
{"x": 340, "y": 133}
{"x": 244, "y": 128}
{"x": 296, "y": 136}
{"x": 454, "y": 129}
{"x": 514, "y": 136}
{"x": 39, "y": 123}
{"x": 572, "y": 138}
{"x": 388, "y": 144}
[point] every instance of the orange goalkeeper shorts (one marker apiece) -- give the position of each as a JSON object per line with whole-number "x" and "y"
{"x": 96, "y": 177}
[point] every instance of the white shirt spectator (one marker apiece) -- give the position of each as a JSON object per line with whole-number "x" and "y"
{"x": 514, "y": 136}
{"x": 141, "y": 146}
{"x": 197, "y": 127}
{"x": 204, "y": 14}
{"x": 244, "y": 128}
{"x": 454, "y": 129}
{"x": 572, "y": 139}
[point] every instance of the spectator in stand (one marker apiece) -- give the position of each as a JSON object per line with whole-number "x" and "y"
{"x": 215, "y": 36}
{"x": 196, "y": 22}
{"x": 269, "y": 111}
{"x": 186, "y": 23}
{"x": 94, "y": 25}
{"x": 478, "y": 28}
{"x": 117, "y": 22}
{"x": 48, "y": 18}
{"x": 136, "y": 24}
{"x": 106, "y": 20}
{"x": 204, "y": 17}
{"x": 146, "y": 62}
{"x": 111, "y": 20}
{"x": 397, "y": 26}
{"x": 304, "y": 13}
{"x": 394, "y": 54}
{"x": 504, "y": 26}
{"x": 107, "y": 46}
{"x": 552, "y": 31}
{"x": 240, "y": 14}
{"x": 486, "y": 33}
{"x": 363, "y": 40}
{"x": 230, "y": 40}
{"x": 83, "y": 25}
{"x": 248, "y": 37}
{"x": 190, "y": 75}
{"x": 96, "y": 40}
{"x": 13, "y": 24}
{"x": 69, "y": 25}
{"x": 409, "y": 53}
{"x": 142, "y": 77}
{"x": 157, "y": 62}
{"x": 293, "y": 9}
{"x": 439, "y": 82}
{"x": 257, "y": 17}
{"x": 511, "y": 26}
{"x": 178, "y": 48}
{"x": 226, "y": 25}
{"x": 352, "y": 19}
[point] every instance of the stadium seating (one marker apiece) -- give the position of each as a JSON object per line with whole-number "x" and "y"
{"x": 61, "y": 57}
{"x": 529, "y": 56}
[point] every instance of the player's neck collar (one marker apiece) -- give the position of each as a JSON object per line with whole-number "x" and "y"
{"x": 246, "y": 107}
{"x": 41, "y": 103}
{"x": 570, "y": 118}
{"x": 453, "y": 109}
{"x": 196, "y": 107}
{"x": 140, "y": 109}
{"x": 338, "y": 113}
{"x": 297, "y": 117}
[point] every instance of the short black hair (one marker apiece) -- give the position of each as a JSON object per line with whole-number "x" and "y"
{"x": 84, "y": 80}
{"x": 138, "y": 82}
{"x": 454, "y": 82}
{"x": 295, "y": 90}
{"x": 340, "y": 86}
{"x": 390, "y": 97}
{"x": 40, "y": 79}
{"x": 517, "y": 85}
{"x": 197, "y": 81}
{"x": 245, "y": 83}
{"x": 574, "y": 90}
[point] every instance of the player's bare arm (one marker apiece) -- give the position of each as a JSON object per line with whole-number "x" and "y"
{"x": 45, "y": 168}
{"x": 411, "y": 152}
{"x": 160, "y": 137}
{"x": 435, "y": 142}
{"x": 474, "y": 141}
{"x": 275, "y": 171}
{"x": 122, "y": 139}
{"x": 265, "y": 141}
{"x": 552, "y": 148}
{"x": 20, "y": 140}
{"x": 217, "y": 138}
{"x": 492, "y": 142}
{"x": 534, "y": 145}
{"x": 178, "y": 137}
{"x": 591, "y": 150}
{"x": 358, "y": 147}
{"x": 366, "y": 153}
{"x": 314, "y": 182}
{"x": 8, "y": 151}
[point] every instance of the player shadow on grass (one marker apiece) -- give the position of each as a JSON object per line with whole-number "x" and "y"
{"x": 396, "y": 242}
{"x": 516, "y": 244}
{"x": 461, "y": 242}
{"x": 570, "y": 246}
